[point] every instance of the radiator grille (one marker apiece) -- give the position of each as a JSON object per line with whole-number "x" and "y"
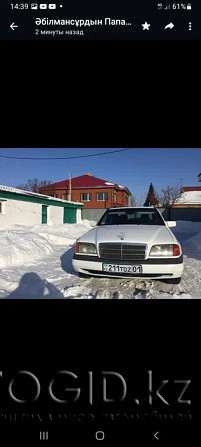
{"x": 122, "y": 251}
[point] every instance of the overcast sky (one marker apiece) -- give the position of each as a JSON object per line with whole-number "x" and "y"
{"x": 135, "y": 168}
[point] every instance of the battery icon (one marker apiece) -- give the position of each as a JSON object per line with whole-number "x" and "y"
{"x": 188, "y": 5}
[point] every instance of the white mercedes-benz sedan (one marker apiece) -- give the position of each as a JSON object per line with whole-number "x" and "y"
{"x": 130, "y": 243}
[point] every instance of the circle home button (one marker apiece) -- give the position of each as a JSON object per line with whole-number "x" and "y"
{"x": 100, "y": 435}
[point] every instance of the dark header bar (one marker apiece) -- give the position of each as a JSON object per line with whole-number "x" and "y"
{"x": 100, "y": 20}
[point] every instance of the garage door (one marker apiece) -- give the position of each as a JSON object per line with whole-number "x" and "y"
{"x": 69, "y": 215}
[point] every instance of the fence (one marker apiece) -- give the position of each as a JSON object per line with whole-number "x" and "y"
{"x": 92, "y": 214}
{"x": 188, "y": 214}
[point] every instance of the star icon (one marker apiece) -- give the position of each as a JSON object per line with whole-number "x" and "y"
{"x": 146, "y": 26}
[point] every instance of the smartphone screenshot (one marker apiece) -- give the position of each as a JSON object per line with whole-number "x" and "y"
{"x": 100, "y": 223}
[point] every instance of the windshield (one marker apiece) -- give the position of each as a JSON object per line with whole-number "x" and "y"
{"x": 132, "y": 216}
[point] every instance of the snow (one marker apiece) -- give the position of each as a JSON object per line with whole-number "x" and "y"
{"x": 18, "y": 247}
{"x": 36, "y": 262}
{"x": 20, "y": 244}
{"x": 189, "y": 197}
{"x": 108, "y": 183}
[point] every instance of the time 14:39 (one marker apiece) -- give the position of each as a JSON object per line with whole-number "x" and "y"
{"x": 19, "y": 5}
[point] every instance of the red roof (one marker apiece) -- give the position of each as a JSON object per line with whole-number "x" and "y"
{"x": 84, "y": 181}
{"x": 191, "y": 188}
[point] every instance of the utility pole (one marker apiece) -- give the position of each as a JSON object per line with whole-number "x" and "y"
{"x": 70, "y": 176}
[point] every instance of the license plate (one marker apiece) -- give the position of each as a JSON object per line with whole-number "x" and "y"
{"x": 114, "y": 268}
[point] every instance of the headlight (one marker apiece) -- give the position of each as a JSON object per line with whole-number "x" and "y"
{"x": 165, "y": 250}
{"x": 85, "y": 248}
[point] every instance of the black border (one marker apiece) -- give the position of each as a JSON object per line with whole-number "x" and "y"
{"x": 100, "y": 94}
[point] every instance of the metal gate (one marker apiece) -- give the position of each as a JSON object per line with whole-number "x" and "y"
{"x": 69, "y": 215}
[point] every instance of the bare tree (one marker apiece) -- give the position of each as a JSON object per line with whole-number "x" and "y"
{"x": 140, "y": 201}
{"x": 169, "y": 195}
{"x": 132, "y": 200}
{"x": 34, "y": 185}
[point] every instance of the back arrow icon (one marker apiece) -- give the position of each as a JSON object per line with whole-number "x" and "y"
{"x": 155, "y": 436}
{"x": 13, "y": 26}
{"x": 170, "y": 26}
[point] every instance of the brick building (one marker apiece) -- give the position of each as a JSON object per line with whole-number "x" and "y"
{"x": 93, "y": 192}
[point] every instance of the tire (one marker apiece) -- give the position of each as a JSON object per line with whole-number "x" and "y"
{"x": 174, "y": 281}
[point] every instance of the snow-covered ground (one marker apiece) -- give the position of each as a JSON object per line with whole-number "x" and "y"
{"x": 36, "y": 262}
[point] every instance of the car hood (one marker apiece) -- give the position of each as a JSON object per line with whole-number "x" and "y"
{"x": 131, "y": 233}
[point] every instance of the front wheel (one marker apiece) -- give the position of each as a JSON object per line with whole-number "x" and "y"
{"x": 174, "y": 280}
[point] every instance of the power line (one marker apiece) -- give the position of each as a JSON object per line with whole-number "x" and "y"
{"x": 64, "y": 158}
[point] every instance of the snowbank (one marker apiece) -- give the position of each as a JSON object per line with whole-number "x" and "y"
{"x": 187, "y": 227}
{"x": 21, "y": 244}
{"x": 189, "y": 235}
{"x": 62, "y": 234}
{"x": 39, "y": 265}
{"x": 192, "y": 246}
{"x": 18, "y": 248}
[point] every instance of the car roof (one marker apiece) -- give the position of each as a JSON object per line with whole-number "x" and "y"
{"x": 131, "y": 207}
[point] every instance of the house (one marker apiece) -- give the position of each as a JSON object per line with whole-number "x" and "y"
{"x": 189, "y": 198}
{"x": 187, "y": 206}
{"x": 93, "y": 192}
{"x": 29, "y": 208}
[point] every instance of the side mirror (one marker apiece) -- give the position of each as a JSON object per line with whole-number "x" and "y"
{"x": 171, "y": 223}
{"x": 92, "y": 224}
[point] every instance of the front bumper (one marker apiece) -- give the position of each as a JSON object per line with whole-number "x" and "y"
{"x": 151, "y": 268}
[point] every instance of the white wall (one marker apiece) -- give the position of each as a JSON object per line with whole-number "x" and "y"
{"x": 55, "y": 215}
{"x": 16, "y": 212}
{"x": 79, "y": 216}
{"x": 20, "y": 213}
